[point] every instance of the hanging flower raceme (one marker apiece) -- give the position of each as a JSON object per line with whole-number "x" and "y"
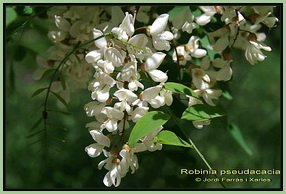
{"x": 121, "y": 68}
{"x": 160, "y": 37}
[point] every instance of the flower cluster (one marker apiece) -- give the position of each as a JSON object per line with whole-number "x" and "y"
{"x": 119, "y": 98}
{"x": 123, "y": 56}
{"x": 69, "y": 27}
{"x": 240, "y": 30}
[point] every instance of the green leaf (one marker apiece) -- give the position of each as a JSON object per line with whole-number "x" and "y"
{"x": 28, "y": 10}
{"x": 35, "y": 133}
{"x": 196, "y": 11}
{"x": 146, "y": 125}
{"x": 47, "y": 72}
{"x": 63, "y": 81}
{"x": 37, "y": 141}
{"x": 36, "y": 124}
{"x": 227, "y": 95}
{"x": 60, "y": 111}
{"x": 202, "y": 112}
{"x": 15, "y": 26}
{"x": 175, "y": 11}
{"x": 60, "y": 98}
{"x": 179, "y": 88}
{"x": 37, "y": 92}
{"x": 237, "y": 135}
{"x": 11, "y": 15}
{"x": 170, "y": 138}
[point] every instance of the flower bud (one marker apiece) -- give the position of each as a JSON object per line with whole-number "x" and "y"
{"x": 115, "y": 161}
{"x": 252, "y": 37}
{"x": 126, "y": 147}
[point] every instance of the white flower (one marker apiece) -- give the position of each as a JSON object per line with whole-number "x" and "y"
{"x": 113, "y": 116}
{"x": 156, "y": 96}
{"x": 253, "y": 52}
{"x": 95, "y": 55}
{"x": 209, "y": 94}
{"x": 101, "y": 43}
{"x": 129, "y": 159}
{"x": 95, "y": 149}
{"x": 138, "y": 112}
{"x": 184, "y": 20}
{"x": 151, "y": 65}
{"x": 225, "y": 72}
{"x": 126, "y": 97}
{"x": 57, "y": 36}
{"x": 129, "y": 73}
{"x": 200, "y": 124}
{"x": 192, "y": 47}
{"x": 117, "y": 169}
{"x": 113, "y": 176}
{"x": 93, "y": 109}
{"x": 125, "y": 29}
{"x": 101, "y": 85}
{"x": 160, "y": 37}
{"x": 209, "y": 12}
{"x": 200, "y": 78}
{"x": 112, "y": 58}
{"x": 62, "y": 23}
{"x": 182, "y": 54}
{"x": 193, "y": 101}
{"x": 149, "y": 143}
{"x": 138, "y": 47}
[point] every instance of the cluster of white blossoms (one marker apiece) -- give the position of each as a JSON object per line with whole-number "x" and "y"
{"x": 121, "y": 55}
{"x": 69, "y": 27}
{"x": 119, "y": 98}
{"x": 240, "y": 30}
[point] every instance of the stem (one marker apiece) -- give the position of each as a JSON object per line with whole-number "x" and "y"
{"x": 45, "y": 111}
{"x": 64, "y": 60}
{"x": 193, "y": 144}
{"x": 140, "y": 28}
{"x": 135, "y": 14}
{"x": 205, "y": 161}
{"x": 177, "y": 54}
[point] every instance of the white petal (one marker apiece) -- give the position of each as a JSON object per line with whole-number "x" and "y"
{"x": 127, "y": 24}
{"x": 199, "y": 53}
{"x": 124, "y": 94}
{"x": 221, "y": 43}
{"x": 154, "y": 61}
{"x": 139, "y": 40}
{"x": 203, "y": 19}
{"x": 111, "y": 125}
{"x": 224, "y": 74}
{"x": 100, "y": 43}
{"x": 151, "y": 92}
{"x": 94, "y": 150}
{"x": 160, "y": 44}
{"x": 103, "y": 95}
{"x": 158, "y": 76}
{"x": 93, "y": 56}
{"x": 157, "y": 102}
{"x": 159, "y": 24}
{"x": 113, "y": 55}
{"x": 166, "y": 35}
{"x": 100, "y": 138}
{"x": 62, "y": 23}
{"x": 107, "y": 180}
{"x": 138, "y": 113}
{"x": 168, "y": 98}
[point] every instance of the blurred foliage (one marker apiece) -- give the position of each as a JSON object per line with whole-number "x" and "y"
{"x": 255, "y": 109}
